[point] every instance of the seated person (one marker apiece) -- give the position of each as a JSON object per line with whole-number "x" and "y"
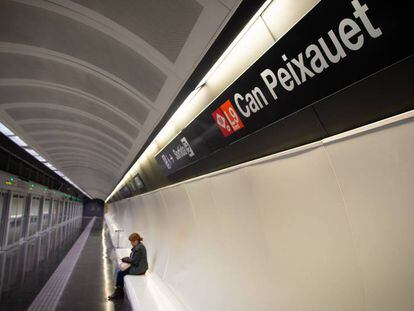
{"x": 137, "y": 261}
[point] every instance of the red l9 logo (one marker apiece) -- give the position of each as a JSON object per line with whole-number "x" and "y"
{"x": 222, "y": 122}
{"x": 232, "y": 116}
{"x": 227, "y": 119}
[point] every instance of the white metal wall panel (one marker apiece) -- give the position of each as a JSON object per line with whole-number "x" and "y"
{"x": 181, "y": 238}
{"x": 157, "y": 218}
{"x": 326, "y": 227}
{"x": 376, "y": 176}
{"x": 307, "y": 232}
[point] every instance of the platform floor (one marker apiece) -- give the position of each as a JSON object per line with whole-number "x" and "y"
{"x": 26, "y": 267}
{"x": 92, "y": 280}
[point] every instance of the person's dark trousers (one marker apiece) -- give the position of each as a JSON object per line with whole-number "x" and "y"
{"x": 120, "y": 278}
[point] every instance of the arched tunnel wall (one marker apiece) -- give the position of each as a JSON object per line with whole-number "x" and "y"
{"x": 93, "y": 208}
{"x": 327, "y": 226}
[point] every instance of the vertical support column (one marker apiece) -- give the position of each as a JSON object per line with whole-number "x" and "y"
{"x": 23, "y": 263}
{"x": 51, "y": 213}
{"x": 57, "y": 213}
{"x": 2, "y": 270}
{"x": 40, "y": 214}
{"x": 65, "y": 207}
{"x": 62, "y": 218}
{"x": 49, "y": 241}
{"x": 62, "y": 211}
{"x": 4, "y": 220}
{"x": 50, "y": 220}
{"x": 38, "y": 252}
{"x": 59, "y": 210}
{"x": 65, "y": 210}
{"x": 26, "y": 217}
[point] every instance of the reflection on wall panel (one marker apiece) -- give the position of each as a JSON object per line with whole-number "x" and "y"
{"x": 326, "y": 226}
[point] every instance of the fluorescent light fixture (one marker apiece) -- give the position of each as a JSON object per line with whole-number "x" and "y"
{"x": 40, "y": 158}
{"x": 18, "y": 141}
{"x": 50, "y": 166}
{"x": 233, "y": 44}
{"x": 179, "y": 118}
{"x": 185, "y": 110}
{"x": 283, "y": 14}
{"x": 166, "y": 134}
{"x": 31, "y": 151}
{"x": 5, "y": 130}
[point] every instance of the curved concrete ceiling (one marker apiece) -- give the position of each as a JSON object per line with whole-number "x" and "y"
{"x": 84, "y": 82}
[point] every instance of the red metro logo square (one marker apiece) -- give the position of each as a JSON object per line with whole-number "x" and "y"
{"x": 222, "y": 122}
{"x": 227, "y": 119}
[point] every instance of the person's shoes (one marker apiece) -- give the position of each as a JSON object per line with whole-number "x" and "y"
{"x": 117, "y": 294}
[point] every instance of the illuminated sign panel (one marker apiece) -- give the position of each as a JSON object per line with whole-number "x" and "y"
{"x": 336, "y": 44}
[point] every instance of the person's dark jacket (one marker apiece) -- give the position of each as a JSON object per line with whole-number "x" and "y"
{"x": 137, "y": 259}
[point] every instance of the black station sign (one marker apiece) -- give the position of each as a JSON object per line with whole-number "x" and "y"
{"x": 336, "y": 44}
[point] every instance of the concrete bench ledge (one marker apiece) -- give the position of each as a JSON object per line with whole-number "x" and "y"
{"x": 149, "y": 293}
{"x": 146, "y": 292}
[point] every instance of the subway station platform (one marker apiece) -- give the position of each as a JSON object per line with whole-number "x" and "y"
{"x": 229, "y": 155}
{"x": 28, "y": 267}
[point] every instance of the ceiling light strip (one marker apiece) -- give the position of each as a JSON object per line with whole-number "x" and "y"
{"x": 131, "y": 172}
{"x": 17, "y": 140}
